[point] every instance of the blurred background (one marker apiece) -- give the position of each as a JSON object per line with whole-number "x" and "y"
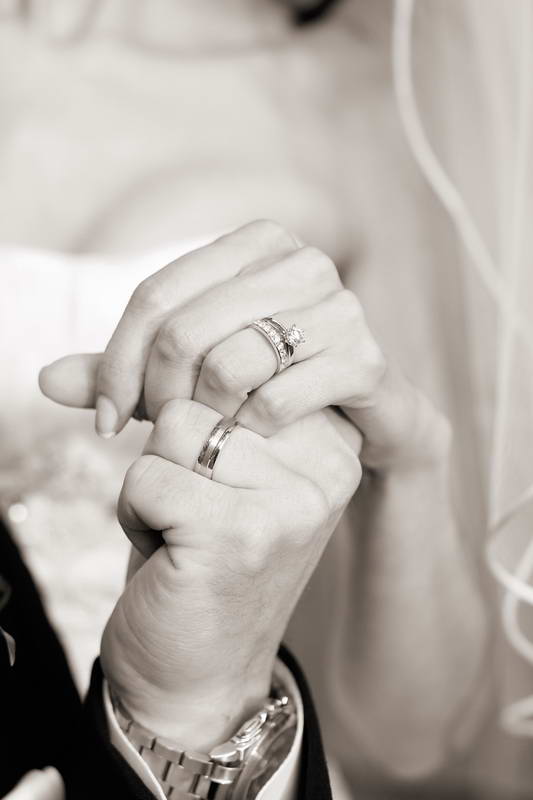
{"x": 134, "y": 130}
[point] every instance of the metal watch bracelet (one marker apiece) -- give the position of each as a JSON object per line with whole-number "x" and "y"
{"x": 188, "y": 775}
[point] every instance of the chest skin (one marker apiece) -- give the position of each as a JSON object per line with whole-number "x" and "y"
{"x": 108, "y": 147}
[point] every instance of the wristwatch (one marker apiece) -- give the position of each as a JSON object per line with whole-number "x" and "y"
{"x": 234, "y": 770}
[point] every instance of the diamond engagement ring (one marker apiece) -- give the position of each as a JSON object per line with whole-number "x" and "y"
{"x": 213, "y": 445}
{"x": 294, "y": 336}
{"x": 283, "y": 341}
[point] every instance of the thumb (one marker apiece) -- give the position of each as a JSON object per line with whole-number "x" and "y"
{"x": 46, "y": 784}
{"x": 71, "y": 380}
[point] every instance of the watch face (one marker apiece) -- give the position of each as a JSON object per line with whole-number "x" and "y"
{"x": 265, "y": 759}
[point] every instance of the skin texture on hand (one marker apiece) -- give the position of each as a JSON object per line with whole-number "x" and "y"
{"x": 191, "y": 644}
{"x": 185, "y": 334}
{"x": 45, "y": 784}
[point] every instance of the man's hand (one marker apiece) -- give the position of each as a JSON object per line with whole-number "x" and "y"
{"x": 191, "y": 643}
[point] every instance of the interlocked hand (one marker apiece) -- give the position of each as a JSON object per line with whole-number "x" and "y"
{"x": 185, "y": 334}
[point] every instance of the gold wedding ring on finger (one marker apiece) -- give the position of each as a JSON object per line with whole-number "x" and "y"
{"x": 283, "y": 341}
{"x": 213, "y": 445}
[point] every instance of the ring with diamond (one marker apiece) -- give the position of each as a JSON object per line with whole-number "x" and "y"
{"x": 283, "y": 341}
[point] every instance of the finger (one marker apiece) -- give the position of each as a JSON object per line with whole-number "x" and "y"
{"x": 324, "y": 448}
{"x": 348, "y": 432}
{"x": 121, "y": 372}
{"x": 246, "y": 360}
{"x": 46, "y": 784}
{"x": 302, "y": 389}
{"x": 400, "y": 425}
{"x": 187, "y": 336}
{"x": 71, "y": 380}
{"x": 345, "y": 373}
{"x": 183, "y": 427}
{"x": 159, "y": 496}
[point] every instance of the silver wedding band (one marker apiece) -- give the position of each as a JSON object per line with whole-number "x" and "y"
{"x": 282, "y": 340}
{"x": 213, "y": 445}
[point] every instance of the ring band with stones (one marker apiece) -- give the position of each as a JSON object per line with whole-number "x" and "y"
{"x": 213, "y": 445}
{"x": 282, "y": 340}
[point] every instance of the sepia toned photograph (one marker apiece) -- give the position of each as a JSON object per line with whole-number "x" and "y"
{"x": 266, "y": 399}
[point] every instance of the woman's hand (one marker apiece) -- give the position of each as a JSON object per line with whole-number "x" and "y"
{"x": 191, "y": 643}
{"x": 185, "y": 334}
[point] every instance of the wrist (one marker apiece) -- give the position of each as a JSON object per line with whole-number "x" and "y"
{"x": 239, "y": 765}
{"x": 194, "y": 688}
{"x": 201, "y": 713}
{"x": 422, "y": 446}
{"x": 201, "y": 720}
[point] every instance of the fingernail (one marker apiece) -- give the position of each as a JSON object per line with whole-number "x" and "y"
{"x": 106, "y": 417}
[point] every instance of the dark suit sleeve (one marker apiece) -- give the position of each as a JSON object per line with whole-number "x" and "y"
{"x": 116, "y": 774}
{"x": 43, "y": 720}
{"x": 313, "y": 779}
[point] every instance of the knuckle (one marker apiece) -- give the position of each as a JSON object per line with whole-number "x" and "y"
{"x": 271, "y": 405}
{"x": 348, "y": 306}
{"x": 372, "y": 369}
{"x": 170, "y": 415}
{"x": 176, "y": 343}
{"x": 219, "y": 376}
{"x": 138, "y": 475}
{"x": 344, "y": 469}
{"x": 270, "y": 232}
{"x": 313, "y": 511}
{"x": 177, "y": 415}
{"x": 374, "y": 363}
{"x": 149, "y": 296}
{"x": 319, "y": 265}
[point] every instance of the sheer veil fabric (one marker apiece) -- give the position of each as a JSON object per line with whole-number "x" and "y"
{"x": 428, "y": 303}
